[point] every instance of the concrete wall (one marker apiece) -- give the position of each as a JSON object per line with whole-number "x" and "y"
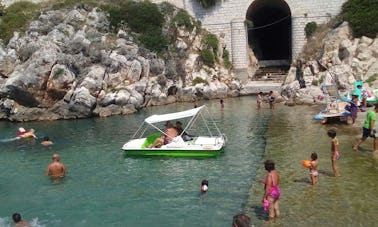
{"x": 227, "y": 18}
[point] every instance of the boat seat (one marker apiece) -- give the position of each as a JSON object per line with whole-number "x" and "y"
{"x": 150, "y": 140}
{"x": 205, "y": 140}
{"x": 177, "y": 142}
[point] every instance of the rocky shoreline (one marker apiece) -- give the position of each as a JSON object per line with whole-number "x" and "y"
{"x": 69, "y": 65}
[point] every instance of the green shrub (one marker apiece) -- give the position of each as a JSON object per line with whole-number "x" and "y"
{"x": 362, "y": 17}
{"x": 211, "y": 41}
{"x": 207, "y": 57}
{"x": 153, "y": 39}
{"x": 315, "y": 82}
{"x": 182, "y": 18}
{"x": 310, "y": 29}
{"x": 16, "y": 17}
{"x": 199, "y": 80}
{"x": 207, "y": 3}
{"x": 143, "y": 18}
{"x": 137, "y": 15}
{"x": 371, "y": 79}
{"x": 226, "y": 59}
{"x": 321, "y": 80}
{"x": 248, "y": 23}
{"x": 67, "y": 4}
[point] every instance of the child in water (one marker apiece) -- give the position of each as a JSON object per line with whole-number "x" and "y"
{"x": 314, "y": 168}
{"x": 271, "y": 99}
{"x": 334, "y": 151}
{"x": 353, "y": 108}
{"x": 259, "y": 100}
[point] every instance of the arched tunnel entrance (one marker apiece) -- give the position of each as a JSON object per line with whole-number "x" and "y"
{"x": 270, "y": 34}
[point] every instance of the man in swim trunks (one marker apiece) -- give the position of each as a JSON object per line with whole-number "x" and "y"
{"x": 168, "y": 136}
{"x": 56, "y": 169}
{"x": 368, "y": 129}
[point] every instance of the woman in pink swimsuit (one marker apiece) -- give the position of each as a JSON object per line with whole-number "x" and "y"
{"x": 272, "y": 191}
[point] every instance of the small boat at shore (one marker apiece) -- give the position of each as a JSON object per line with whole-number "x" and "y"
{"x": 334, "y": 106}
{"x": 209, "y": 140}
{"x": 371, "y": 96}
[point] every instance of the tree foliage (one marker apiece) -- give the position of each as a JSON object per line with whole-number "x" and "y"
{"x": 16, "y": 17}
{"x": 362, "y": 17}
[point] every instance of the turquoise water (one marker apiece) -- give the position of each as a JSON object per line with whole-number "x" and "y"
{"x": 105, "y": 188}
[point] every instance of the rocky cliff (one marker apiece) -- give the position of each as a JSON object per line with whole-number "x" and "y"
{"x": 341, "y": 60}
{"x": 68, "y": 64}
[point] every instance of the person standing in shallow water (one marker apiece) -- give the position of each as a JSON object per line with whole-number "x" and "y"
{"x": 272, "y": 190}
{"x": 368, "y": 129}
{"x": 259, "y": 100}
{"x": 56, "y": 169}
{"x": 271, "y": 99}
{"x": 334, "y": 151}
{"x": 314, "y": 168}
{"x": 221, "y": 103}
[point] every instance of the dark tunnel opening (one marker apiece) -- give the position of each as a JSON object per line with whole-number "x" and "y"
{"x": 270, "y": 36}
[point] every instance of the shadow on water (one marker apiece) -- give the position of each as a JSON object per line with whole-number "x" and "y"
{"x": 260, "y": 213}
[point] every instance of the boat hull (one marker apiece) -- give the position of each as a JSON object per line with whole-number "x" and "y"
{"x": 173, "y": 153}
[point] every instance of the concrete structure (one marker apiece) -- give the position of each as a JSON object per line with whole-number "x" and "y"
{"x": 227, "y": 19}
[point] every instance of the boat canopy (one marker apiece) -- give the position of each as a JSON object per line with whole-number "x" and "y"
{"x": 173, "y": 116}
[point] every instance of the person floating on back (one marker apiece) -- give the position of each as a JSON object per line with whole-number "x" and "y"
{"x": 22, "y": 133}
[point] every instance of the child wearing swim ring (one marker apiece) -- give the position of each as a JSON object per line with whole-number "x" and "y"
{"x": 314, "y": 168}
{"x": 272, "y": 190}
{"x": 334, "y": 151}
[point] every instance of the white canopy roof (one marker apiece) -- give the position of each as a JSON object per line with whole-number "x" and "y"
{"x": 173, "y": 116}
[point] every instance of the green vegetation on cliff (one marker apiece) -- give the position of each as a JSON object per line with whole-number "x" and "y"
{"x": 362, "y": 16}
{"x": 15, "y": 18}
{"x": 154, "y": 26}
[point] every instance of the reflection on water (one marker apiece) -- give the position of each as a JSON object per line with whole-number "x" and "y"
{"x": 103, "y": 188}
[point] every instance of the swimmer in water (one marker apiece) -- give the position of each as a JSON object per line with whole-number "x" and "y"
{"x": 204, "y": 185}
{"x": 22, "y": 133}
{"x": 18, "y": 220}
{"x": 46, "y": 141}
